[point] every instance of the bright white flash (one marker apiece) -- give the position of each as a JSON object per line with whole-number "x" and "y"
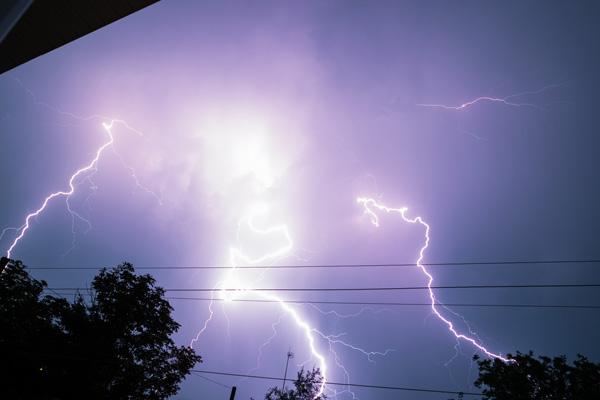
{"x": 238, "y": 149}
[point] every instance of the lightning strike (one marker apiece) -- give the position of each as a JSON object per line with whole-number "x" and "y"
{"x": 233, "y": 287}
{"x": 84, "y": 174}
{"x": 335, "y": 339}
{"x": 265, "y": 344}
{"x": 70, "y": 114}
{"x": 237, "y": 256}
{"x": 86, "y": 171}
{"x": 337, "y": 314}
{"x": 232, "y": 281}
{"x": 508, "y": 100}
{"x": 369, "y": 206}
{"x": 81, "y": 175}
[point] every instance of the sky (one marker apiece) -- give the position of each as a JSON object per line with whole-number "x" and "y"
{"x": 244, "y": 133}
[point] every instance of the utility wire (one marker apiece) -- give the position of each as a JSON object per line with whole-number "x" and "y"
{"x": 210, "y": 380}
{"x": 344, "y": 384}
{"x": 548, "y": 262}
{"x": 371, "y": 289}
{"x": 392, "y": 304}
{"x": 367, "y": 303}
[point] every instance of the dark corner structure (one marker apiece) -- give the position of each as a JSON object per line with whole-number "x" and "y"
{"x": 30, "y": 28}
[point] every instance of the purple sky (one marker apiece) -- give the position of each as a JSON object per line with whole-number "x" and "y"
{"x": 303, "y": 107}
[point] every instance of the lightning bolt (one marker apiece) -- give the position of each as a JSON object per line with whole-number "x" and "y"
{"x": 511, "y": 100}
{"x": 233, "y": 286}
{"x": 84, "y": 174}
{"x": 370, "y": 205}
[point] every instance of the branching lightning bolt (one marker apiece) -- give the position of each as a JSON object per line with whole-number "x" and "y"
{"x": 81, "y": 175}
{"x": 508, "y": 100}
{"x": 84, "y": 173}
{"x": 232, "y": 281}
{"x": 513, "y": 100}
{"x": 90, "y": 169}
{"x": 369, "y": 206}
{"x": 232, "y": 287}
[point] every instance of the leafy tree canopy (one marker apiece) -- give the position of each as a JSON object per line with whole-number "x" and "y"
{"x": 117, "y": 346}
{"x": 530, "y": 378}
{"x": 306, "y": 387}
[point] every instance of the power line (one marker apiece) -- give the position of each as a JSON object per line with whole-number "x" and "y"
{"x": 547, "y": 262}
{"x": 345, "y": 384}
{"x": 372, "y": 289}
{"x": 393, "y": 304}
{"x": 367, "y": 303}
{"x": 210, "y": 380}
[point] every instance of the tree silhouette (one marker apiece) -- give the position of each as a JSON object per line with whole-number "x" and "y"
{"x": 118, "y": 346}
{"x": 306, "y": 387}
{"x": 536, "y": 379}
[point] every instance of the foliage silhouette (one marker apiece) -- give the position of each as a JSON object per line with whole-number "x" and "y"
{"x": 116, "y": 347}
{"x": 530, "y": 378}
{"x": 306, "y": 387}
